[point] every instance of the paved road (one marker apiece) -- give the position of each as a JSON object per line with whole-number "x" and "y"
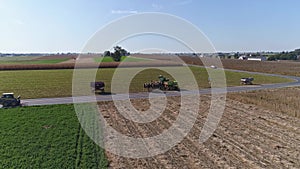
{"x": 86, "y": 99}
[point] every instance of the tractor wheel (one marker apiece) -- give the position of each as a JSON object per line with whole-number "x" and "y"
{"x": 14, "y": 104}
{"x": 5, "y": 104}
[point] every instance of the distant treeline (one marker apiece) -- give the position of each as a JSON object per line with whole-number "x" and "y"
{"x": 294, "y": 55}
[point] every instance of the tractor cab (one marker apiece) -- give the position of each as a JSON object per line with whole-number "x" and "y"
{"x": 7, "y": 95}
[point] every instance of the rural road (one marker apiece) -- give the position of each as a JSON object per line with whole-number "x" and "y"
{"x": 86, "y": 99}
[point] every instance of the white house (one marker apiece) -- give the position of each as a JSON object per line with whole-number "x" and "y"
{"x": 262, "y": 58}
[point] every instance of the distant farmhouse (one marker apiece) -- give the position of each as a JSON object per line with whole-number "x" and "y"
{"x": 258, "y": 58}
{"x": 261, "y": 58}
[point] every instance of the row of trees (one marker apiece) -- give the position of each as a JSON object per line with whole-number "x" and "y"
{"x": 294, "y": 55}
{"x": 117, "y": 54}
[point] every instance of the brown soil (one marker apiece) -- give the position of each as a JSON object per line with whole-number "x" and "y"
{"x": 247, "y": 137}
{"x": 57, "y": 56}
{"x": 275, "y": 67}
{"x": 284, "y": 100}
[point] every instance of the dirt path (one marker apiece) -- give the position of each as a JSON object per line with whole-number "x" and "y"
{"x": 247, "y": 137}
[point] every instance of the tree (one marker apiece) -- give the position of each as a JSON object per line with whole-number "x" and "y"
{"x": 106, "y": 53}
{"x": 122, "y": 51}
{"x": 117, "y": 54}
{"x": 271, "y": 58}
{"x": 236, "y": 55}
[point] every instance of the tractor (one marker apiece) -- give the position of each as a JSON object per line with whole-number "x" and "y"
{"x": 163, "y": 84}
{"x": 97, "y": 87}
{"x": 247, "y": 80}
{"x": 8, "y": 100}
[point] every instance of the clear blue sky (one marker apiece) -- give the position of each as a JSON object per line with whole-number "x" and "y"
{"x": 66, "y": 25}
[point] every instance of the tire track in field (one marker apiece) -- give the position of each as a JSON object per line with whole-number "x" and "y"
{"x": 78, "y": 146}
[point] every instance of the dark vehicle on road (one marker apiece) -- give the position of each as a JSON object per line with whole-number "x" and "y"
{"x": 247, "y": 80}
{"x": 8, "y": 100}
{"x": 97, "y": 87}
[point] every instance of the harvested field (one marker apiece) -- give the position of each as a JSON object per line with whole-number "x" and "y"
{"x": 247, "y": 137}
{"x": 123, "y": 59}
{"x": 274, "y": 67}
{"x": 57, "y": 56}
{"x": 166, "y": 57}
{"x": 285, "y": 100}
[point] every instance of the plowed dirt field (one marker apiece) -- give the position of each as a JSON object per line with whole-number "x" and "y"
{"x": 247, "y": 137}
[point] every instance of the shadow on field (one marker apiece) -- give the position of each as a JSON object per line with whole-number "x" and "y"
{"x": 104, "y": 93}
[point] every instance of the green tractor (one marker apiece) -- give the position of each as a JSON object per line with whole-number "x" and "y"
{"x": 8, "y": 100}
{"x": 163, "y": 84}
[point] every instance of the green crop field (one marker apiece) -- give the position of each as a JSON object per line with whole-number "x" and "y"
{"x": 46, "y": 137}
{"x": 58, "y": 83}
{"x": 123, "y": 59}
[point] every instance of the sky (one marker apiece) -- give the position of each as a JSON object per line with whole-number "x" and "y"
{"x": 42, "y": 26}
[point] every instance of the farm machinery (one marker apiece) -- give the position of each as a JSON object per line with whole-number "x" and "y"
{"x": 163, "y": 84}
{"x": 8, "y": 100}
{"x": 247, "y": 80}
{"x": 97, "y": 87}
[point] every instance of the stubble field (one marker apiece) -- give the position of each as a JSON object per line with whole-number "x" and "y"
{"x": 247, "y": 137}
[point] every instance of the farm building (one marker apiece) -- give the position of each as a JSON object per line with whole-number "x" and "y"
{"x": 263, "y": 58}
{"x": 244, "y": 57}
